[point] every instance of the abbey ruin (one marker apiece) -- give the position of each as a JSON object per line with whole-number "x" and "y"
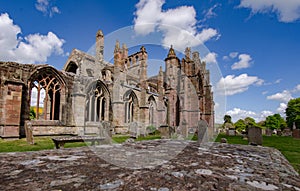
{"x": 89, "y": 90}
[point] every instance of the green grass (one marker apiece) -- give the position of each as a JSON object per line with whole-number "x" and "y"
{"x": 45, "y": 143}
{"x": 40, "y": 143}
{"x": 288, "y": 146}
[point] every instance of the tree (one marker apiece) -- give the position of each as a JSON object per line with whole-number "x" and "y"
{"x": 271, "y": 122}
{"x": 227, "y": 119}
{"x": 275, "y": 122}
{"x": 249, "y": 121}
{"x": 293, "y": 113}
{"x": 240, "y": 125}
{"x": 32, "y": 114}
{"x": 227, "y": 122}
{"x": 281, "y": 121}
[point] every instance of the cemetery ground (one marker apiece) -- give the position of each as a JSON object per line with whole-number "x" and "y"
{"x": 288, "y": 146}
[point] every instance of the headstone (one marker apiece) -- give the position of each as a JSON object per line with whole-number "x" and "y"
{"x": 294, "y": 126}
{"x": 279, "y": 132}
{"x": 255, "y": 136}
{"x": 269, "y": 132}
{"x": 296, "y": 133}
{"x": 164, "y": 131}
{"x": 223, "y": 140}
{"x": 230, "y": 132}
{"x": 263, "y": 131}
{"x": 202, "y": 131}
{"x": 108, "y": 128}
{"x": 287, "y": 132}
{"x": 182, "y": 131}
{"x": 29, "y": 132}
{"x": 133, "y": 129}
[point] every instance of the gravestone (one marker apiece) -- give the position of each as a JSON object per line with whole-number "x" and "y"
{"x": 296, "y": 133}
{"x": 108, "y": 128}
{"x": 223, "y": 140}
{"x": 294, "y": 126}
{"x": 164, "y": 131}
{"x": 279, "y": 132}
{"x": 202, "y": 131}
{"x": 269, "y": 132}
{"x": 134, "y": 130}
{"x": 183, "y": 130}
{"x": 29, "y": 132}
{"x": 230, "y": 132}
{"x": 287, "y": 132}
{"x": 255, "y": 136}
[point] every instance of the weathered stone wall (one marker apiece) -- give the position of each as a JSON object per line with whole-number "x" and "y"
{"x": 15, "y": 97}
{"x": 181, "y": 94}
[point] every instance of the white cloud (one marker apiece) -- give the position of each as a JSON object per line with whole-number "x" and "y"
{"x": 210, "y": 58}
{"x": 45, "y": 6}
{"x": 226, "y": 58}
{"x": 233, "y": 54}
{"x": 178, "y": 25}
{"x": 287, "y": 10}
{"x": 237, "y": 113}
{"x": 283, "y": 96}
{"x": 34, "y": 48}
{"x": 237, "y": 84}
{"x": 297, "y": 88}
{"x": 265, "y": 114}
{"x": 244, "y": 62}
{"x": 277, "y": 81}
{"x": 281, "y": 109}
{"x": 210, "y": 12}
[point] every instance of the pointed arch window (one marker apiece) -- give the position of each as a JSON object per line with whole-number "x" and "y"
{"x": 45, "y": 93}
{"x": 96, "y": 105}
{"x": 130, "y": 107}
{"x": 152, "y": 110}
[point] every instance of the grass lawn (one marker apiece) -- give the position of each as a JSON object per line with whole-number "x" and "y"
{"x": 40, "y": 143}
{"x": 288, "y": 146}
{"x": 43, "y": 143}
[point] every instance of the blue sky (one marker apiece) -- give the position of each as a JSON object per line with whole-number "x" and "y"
{"x": 255, "y": 44}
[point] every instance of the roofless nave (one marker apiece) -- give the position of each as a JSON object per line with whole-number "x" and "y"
{"x": 90, "y": 90}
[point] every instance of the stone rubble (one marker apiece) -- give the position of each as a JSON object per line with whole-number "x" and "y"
{"x": 150, "y": 165}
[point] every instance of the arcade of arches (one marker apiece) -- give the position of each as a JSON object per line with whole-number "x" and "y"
{"x": 89, "y": 91}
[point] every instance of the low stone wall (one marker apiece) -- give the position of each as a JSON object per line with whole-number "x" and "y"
{"x": 51, "y": 127}
{"x": 9, "y": 131}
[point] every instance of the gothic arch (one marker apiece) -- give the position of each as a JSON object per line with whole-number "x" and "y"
{"x": 152, "y": 111}
{"x": 72, "y": 67}
{"x": 48, "y": 81}
{"x": 131, "y": 106}
{"x": 97, "y": 104}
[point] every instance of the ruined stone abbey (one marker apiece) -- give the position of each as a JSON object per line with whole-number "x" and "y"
{"x": 90, "y": 90}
